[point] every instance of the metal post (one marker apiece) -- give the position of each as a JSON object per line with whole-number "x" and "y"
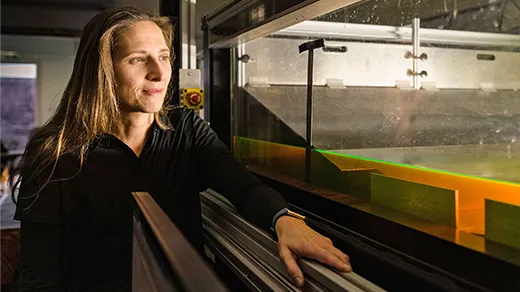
{"x": 309, "y": 46}
{"x": 207, "y": 71}
{"x": 192, "y": 59}
{"x": 187, "y": 26}
{"x": 416, "y": 45}
{"x": 309, "y": 118}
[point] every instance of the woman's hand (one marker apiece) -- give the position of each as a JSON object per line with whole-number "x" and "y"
{"x": 297, "y": 240}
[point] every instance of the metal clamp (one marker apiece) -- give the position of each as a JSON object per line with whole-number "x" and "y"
{"x": 422, "y": 57}
{"x": 422, "y": 74}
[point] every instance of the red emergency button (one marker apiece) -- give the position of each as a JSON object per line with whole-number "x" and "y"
{"x": 194, "y": 98}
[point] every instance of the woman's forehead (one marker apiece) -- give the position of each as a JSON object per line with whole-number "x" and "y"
{"x": 142, "y": 29}
{"x": 142, "y": 35}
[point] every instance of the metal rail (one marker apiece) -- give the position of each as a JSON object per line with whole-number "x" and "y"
{"x": 189, "y": 269}
{"x": 220, "y": 215}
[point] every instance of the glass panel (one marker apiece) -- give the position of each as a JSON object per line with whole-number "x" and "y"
{"x": 421, "y": 93}
{"x": 464, "y": 119}
{"x": 425, "y": 111}
{"x": 262, "y": 136}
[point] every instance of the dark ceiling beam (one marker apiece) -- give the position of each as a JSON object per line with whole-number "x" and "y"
{"x": 62, "y": 4}
{"x": 41, "y": 20}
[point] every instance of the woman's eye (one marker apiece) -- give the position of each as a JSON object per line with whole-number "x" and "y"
{"x": 165, "y": 57}
{"x": 136, "y": 59}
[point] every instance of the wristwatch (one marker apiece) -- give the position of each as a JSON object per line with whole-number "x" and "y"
{"x": 285, "y": 212}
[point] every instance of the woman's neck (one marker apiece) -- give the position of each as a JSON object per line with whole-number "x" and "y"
{"x": 134, "y": 129}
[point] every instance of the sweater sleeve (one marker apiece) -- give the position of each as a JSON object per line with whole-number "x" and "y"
{"x": 221, "y": 171}
{"x": 39, "y": 263}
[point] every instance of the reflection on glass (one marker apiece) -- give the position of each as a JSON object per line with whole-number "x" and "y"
{"x": 495, "y": 16}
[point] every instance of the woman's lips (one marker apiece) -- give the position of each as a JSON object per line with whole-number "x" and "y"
{"x": 152, "y": 91}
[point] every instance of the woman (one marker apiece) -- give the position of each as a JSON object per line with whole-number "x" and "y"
{"x": 114, "y": 133}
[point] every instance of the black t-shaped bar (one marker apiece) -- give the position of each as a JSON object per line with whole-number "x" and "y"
{"x": 309, "y": 46}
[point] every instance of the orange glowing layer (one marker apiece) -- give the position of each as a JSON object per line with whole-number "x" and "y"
{"x": 472, "y": 191}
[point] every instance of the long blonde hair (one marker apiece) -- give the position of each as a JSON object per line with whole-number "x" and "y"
{"x": 89, "y": 106}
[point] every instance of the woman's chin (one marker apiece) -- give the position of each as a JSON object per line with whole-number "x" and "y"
{"x": 152, "y": 108}
{"x": 142, "y": 110}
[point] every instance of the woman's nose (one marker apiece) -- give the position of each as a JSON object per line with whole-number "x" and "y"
{"x": 156, "y": 72}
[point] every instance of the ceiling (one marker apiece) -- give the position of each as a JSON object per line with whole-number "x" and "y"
{"x": 49, "y": 17}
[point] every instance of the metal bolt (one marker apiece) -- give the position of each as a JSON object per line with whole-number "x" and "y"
{"x": 245, "y": 58}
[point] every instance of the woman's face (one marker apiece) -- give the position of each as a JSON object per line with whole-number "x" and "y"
{"x": 142, "y": 68}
